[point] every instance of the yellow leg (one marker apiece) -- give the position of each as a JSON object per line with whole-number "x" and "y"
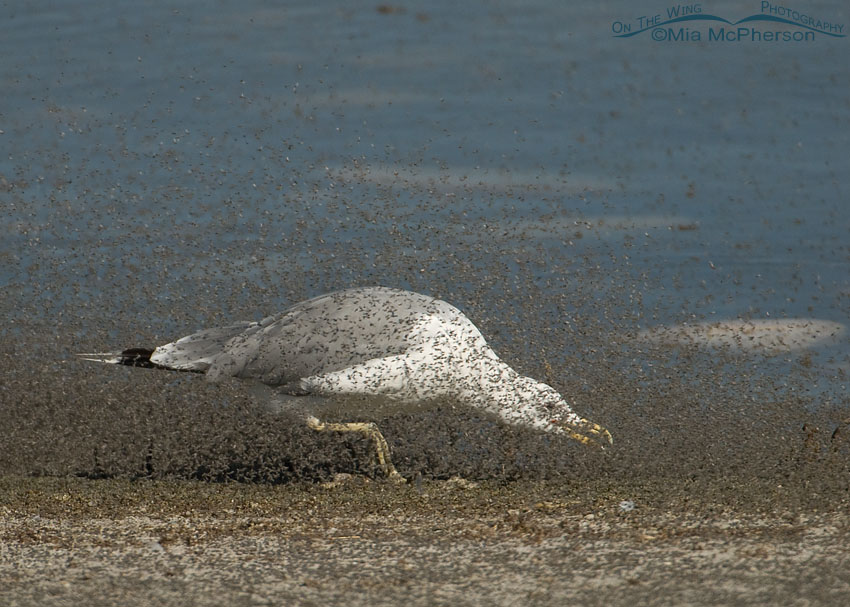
{"x": 370, "y": 430}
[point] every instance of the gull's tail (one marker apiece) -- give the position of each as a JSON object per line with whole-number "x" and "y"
{"x": 195, "y": 352}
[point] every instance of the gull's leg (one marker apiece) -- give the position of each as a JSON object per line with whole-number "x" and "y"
{"x": 370, "y": 430}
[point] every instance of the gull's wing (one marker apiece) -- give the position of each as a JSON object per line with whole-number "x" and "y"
{"x": 327, "y": 334}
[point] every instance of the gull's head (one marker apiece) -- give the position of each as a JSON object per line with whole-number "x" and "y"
{"x": 533, "y": 403}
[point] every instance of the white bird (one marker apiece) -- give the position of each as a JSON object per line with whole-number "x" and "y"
{"x": 373, "y": 341}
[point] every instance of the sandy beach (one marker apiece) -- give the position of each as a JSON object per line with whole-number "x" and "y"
{"x": 359, "y": 542}
{"x": 177, "y": 499}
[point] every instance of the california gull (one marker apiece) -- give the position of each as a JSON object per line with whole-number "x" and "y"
{"x": 375, "y": 341}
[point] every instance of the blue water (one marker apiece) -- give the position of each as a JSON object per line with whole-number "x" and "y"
{"x": 169, "y": 165}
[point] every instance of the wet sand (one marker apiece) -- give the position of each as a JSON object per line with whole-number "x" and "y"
{"x": 145, "y": 488}
{"x": 359, "y": 542}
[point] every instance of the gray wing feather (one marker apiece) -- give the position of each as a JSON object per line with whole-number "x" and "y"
{"x": 324, "y": 334}
{"x": 197, "y": 352}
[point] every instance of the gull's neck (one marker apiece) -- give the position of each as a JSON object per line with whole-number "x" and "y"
{"x": 517, "y": 399}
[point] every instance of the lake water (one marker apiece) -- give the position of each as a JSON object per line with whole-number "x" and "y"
{"x": 166, "y": 166}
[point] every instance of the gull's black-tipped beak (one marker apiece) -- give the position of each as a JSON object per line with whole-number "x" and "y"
{"x": 588, "y": 433}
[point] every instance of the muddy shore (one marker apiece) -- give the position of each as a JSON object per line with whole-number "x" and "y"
{"x": 362, "y": 542}
{"x": 145, "y": 489}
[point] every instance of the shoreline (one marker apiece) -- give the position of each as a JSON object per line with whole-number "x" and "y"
{"x": 68, "y": 540}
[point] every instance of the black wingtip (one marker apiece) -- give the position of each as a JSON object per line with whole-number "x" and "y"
{"x": 137, "y": 357}
{"x": 131, "y": 357}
